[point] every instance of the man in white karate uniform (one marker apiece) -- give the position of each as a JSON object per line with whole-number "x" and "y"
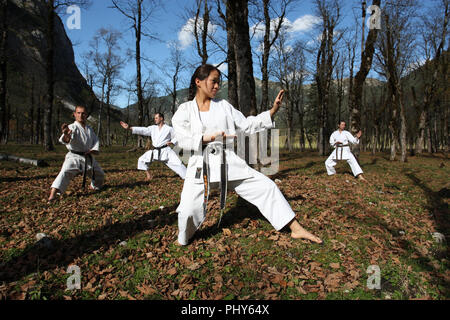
{"x": 340, "y": 140}
{"x": 162, "y": 137}
{"x": 82, "y": 143}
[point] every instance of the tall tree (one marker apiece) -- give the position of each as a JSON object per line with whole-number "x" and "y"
{"x": 290, "y": 70}
{"x": 231, "y": 55}
{"x": 273, "y": 20}
{"x": 172, "y": 70}
{"x": 434, "y": 35}
{"x": 53, "y": 6}
{"x": 201, "y": 36}
{"x": 108, "y": 61}
{"x": 243, "y": 55}
{"x": 356, "y": 90}
{"x": 330, "y": 13}
{"x": 395, "y": 47}
{"x": 3, "y": 68}
{"x": 138, "y": 12}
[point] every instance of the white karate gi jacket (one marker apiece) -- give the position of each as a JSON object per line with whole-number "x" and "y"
{"x": 344, "y": 137}
{"x": 189, "y": 133}
{"x": 159, "y": 138}
{"x": 82, "y": 139}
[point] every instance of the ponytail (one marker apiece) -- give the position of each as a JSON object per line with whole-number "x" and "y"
{"x": 200, "y": 73}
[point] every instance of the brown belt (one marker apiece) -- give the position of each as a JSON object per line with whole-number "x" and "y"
{"x": 341, "y": 146}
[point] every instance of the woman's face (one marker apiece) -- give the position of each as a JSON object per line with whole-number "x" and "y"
{"x": 209, "y": 86}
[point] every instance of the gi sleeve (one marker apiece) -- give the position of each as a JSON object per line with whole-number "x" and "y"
{"x": 172, "y": 136}
{"x": 186, "y": 139}
{"x": 332, "y": 141}
{"x": 251, "y": 124}
{"x": 352, "y": 139}
{"x": 142, "y": 131}
{"x": 71, "y": 136}
{"x": 95, "y": 143}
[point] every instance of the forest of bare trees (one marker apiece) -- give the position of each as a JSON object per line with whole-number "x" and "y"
{"x": 385, "y": 74}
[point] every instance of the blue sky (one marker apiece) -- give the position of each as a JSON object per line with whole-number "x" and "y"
{"x": 168, "y": 24}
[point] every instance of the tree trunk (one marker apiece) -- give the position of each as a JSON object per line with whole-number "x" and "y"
{"x": 31, "y": 115}
{"x": 3, "y": 70}
{"x": 265, "y": 58}
{"x": 48, "y": 141}
{"x": 446, "y": 131}
{"x": 100, "y": 110}
{"x": 375, "y": 139}
{"x": 243, "y": 53}
{"x": 403, "y": 141}
{"x": 355, "y": 94}
{"x": 108, "y": 117}
{"x": 231, "y": 58}
{"x": 138, "y": 33}
{"x": 394, "y": 131}
{"x": 38, "y": 123}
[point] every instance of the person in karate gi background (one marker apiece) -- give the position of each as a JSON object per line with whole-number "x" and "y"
{"x": 82, "y": 143}
{"x": 340, "y": 140}
{"x": 204, "y": 120}
{"x": 162, "y": 137}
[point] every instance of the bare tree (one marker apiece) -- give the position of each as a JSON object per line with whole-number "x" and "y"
{"x": 330, "y": 13}
{"x": 434, "y": 34}
{"x": 273, "y": 17}
{"x": 138, "y": 12}
{"x": 238, "y": 10}
{"x": 3, "y": 68}
{"x": 53, "y": 6}
{"x": 172, "y": 70}
{"x": 394, "y": 52}
{"x": 356, "y": 90}
{"x": 231, "y": 55}
{"x": 108, "y": 62}
{"x": 201, "y": 36}
{"x": 290, "y": 70}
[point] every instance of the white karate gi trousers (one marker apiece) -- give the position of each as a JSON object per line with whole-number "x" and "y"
{"x": 73, "y": 165}
{"x": 330, "y": 163}
{"x": 173, "y": 162}
{"x": 259, "y": 190}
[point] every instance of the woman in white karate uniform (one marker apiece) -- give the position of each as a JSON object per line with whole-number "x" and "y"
{"x": 204, "y": 120}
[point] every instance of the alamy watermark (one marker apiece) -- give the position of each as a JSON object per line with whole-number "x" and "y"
{"x": 374, "y": 21}
{"x": 374, "y": 280}
{"x": 74, "y": 281}
{"x": 258, "y": 145}
{"x": 74, "y": 19}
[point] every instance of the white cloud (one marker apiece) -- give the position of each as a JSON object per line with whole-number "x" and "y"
{"x": 302, "y": 24}
{"x": 223, "y": 67}
{"x": 305, "y": 23}
{"x": 186, "y": 34}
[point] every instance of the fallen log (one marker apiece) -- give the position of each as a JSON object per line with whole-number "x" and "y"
{"x": 37, "y": 163}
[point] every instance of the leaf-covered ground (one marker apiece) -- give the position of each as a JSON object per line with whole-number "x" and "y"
{"x": 123, "y": 241}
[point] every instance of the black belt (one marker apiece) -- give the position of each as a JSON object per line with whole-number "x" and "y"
{"x": 342, "y": 150}
{"x": 159, "y": 152}
{"x": 215, "y": 148}
{"x": 86, "y": 156}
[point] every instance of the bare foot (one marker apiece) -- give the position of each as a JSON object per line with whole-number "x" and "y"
{"x": 360, "y": 177}
{"x": 53, "y": 194}
{"x": 298, "y": 232}
{"x": 306, "y": 235}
